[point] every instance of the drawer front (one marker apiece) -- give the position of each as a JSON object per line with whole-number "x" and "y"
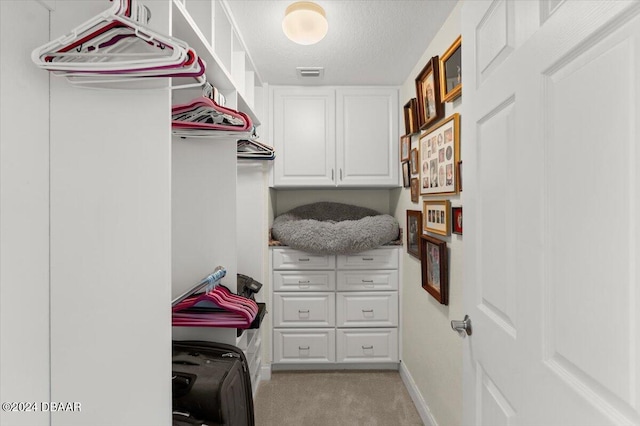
{"x": 304, "y": 310}
{"x": 367, "y": 345}
{"x": 367, "y": 280}
{"x": 304, "y": 346}
{"x": 304, "y": 281}
{"x": 384, "y": 258}
{"x": 367, "y": 309}
{"x": 296, "y": 260}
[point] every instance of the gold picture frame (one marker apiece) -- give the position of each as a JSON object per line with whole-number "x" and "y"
{"x": 436, "y": 216}
{"x": 439, "y": 155}
{"x": 451, "y": 72}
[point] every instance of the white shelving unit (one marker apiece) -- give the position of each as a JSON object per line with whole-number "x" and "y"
{"x": 204, "y": 172}
{"x": 208, "y": 27}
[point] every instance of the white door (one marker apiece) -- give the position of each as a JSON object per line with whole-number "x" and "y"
{"x": 551, "y": 108}
{"x": 367, "y": 136}
{"x": 304, "y": 136}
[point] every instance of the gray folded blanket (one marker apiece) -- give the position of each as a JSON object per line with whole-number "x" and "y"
{"x": 334, "y": 228}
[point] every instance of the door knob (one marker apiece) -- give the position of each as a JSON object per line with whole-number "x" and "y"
{"x": 462, "y": 327}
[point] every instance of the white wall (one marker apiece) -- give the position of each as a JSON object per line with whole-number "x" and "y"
{"x": 24, "y": 212}
{"x": 87, "y": 264}
{"x": 377, "y": 199}
{"x": 432, "y": 352}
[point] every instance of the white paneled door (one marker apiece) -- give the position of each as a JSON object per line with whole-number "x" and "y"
{"x": 551, "y": 108}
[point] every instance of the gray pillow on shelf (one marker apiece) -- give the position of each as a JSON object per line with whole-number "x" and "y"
{"x": 334, "y": 228}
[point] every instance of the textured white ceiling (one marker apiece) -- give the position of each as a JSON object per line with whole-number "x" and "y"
{"x": 370, "y": 42}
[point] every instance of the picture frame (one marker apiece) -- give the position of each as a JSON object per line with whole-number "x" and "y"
{"x": 436, "y": 216}
{"x": 413, "y": 161}
{"x": 439, "y": 154}
{"x": 406, "y": 175}
{"x": 460, "y": 176}
{"x": 414, "y": 224}
{"x": 415, "y": 190}
{"x": 405, "y": 147}
{"x": 456, "y": 220}
{"x": 451, "y": 72}
{"x": 411, "y": 117}
{"x": 430, "y": 108}
{"x": 435, "y": 268}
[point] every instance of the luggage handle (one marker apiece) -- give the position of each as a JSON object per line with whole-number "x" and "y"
{"x": 181, "y": 383}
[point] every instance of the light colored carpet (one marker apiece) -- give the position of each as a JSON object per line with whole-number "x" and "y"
{"x": 321, "y": 398}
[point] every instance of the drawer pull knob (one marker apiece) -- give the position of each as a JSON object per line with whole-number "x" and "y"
{"x": 367, "y": 311}
{"x": 304, "y": 348}
{"x": 303, "y": 311}
{"x": 367, "y": 258}
{"x": 367, "y": 281}
{"x": 303, "y": 260}
{"x": 367, "y": 347}
{"x": 304, "y": 282}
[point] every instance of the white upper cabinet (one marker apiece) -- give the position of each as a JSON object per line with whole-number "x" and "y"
{"x": 328, "y": 137}
{"x": 367, "y": 137}
{"x": 304, "y": 129}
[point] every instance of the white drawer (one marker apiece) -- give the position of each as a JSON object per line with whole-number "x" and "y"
{"x": 304, "y": 310}
{"x": 382, "y": 258}
{"x": 367, "y": 345}
{"x": 284, "y": 258}
{"x": 304, "y": 281}
{"x": 367, "y": 280}
{"x": 367, "y": 309}
{"x": 304, "y": 345}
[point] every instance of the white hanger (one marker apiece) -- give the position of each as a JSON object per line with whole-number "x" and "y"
{"x": 114, "y": 47}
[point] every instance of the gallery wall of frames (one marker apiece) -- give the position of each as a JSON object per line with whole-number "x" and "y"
{"x": 432, "y": 169}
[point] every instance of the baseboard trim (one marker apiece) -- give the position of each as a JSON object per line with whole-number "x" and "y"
{"x": 265, "y": 372}
{"x": 416, "y": 396}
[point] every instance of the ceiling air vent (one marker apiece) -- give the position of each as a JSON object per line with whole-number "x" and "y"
{"x": 310, "y": 72}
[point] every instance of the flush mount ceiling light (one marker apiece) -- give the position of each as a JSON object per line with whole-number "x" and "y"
{"x": 305, "y": 22}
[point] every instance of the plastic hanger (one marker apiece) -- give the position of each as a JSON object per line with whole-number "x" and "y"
{"x": 117, "y": 46}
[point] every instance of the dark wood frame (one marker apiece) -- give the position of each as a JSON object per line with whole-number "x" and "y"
{"x": 411, "y": 117}
{"x": 414, "y": 160}
{"x": 405, "y": 140}
{"x": 428, "y": 243}
{"x": 448, "y": 96}
{"x": 459, "y": 171}
{"x": 406, "y": 175}
{"x": 417, "y": 214}
{"x": 432, "y": 68}
{"x": 455, "y": 229}
{"x": 415, "y": 190}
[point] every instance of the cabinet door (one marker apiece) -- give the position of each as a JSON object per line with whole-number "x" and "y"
{"x": 367, "y": 137}
{"x": 304, "y": 137}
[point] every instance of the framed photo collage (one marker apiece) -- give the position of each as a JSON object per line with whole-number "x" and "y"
{"x": 432, "y": 167}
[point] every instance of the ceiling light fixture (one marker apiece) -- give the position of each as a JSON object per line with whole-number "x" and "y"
{"x": 305, "y": 22}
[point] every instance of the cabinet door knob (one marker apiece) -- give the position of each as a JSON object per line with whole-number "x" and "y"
{"x": 332, "y": 174}
{"x": 340, "y": 174}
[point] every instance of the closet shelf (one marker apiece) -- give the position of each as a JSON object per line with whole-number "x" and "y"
{"x": 185, "y": 28}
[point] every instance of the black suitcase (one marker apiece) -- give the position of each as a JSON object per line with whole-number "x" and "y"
{"x": 211, "y": 381}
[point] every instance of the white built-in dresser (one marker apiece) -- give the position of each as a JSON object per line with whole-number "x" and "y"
{"x": 335, "y": 310}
